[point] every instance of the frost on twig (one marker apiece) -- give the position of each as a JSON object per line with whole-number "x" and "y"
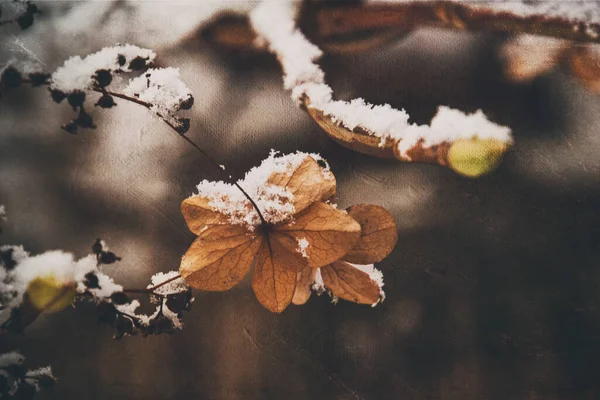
{"x": 471, "y": 144}
{"x": 17, "y": 382}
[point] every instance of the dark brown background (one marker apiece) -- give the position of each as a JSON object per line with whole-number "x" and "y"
{"x": 492, "y": 291}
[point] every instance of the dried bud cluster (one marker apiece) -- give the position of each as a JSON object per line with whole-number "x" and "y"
{"x": 120, "y": 312}
{"x": 95, "y": 72}
{"x": 17, "y": 382}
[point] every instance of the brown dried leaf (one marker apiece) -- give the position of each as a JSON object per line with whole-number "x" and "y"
{"x": 585, "y": 65}
{"x": 274, "y": 276}
{"x": 349, "y": 283}
{"x": 307, "y": 183}
{"x": 378, "y": 235}
{"x": 330, "y": 233}
{"x": 526, "y": 56}
{"x": 220, "y": 257}
{"x": 199, "y": 214}
{"x": 356, "y": 139}
{"x": 304, "y": 280}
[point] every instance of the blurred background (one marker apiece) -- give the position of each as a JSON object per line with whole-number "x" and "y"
{"x": 492, "y": 292}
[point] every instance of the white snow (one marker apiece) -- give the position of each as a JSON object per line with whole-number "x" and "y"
{"x": 130, "y": 309}
{"x": 107, "y": 286}
{"x": 175, "y": 286}
{"x": 57, "y": 264}
{"x": 302, "y": 246}
{"x": 2, "y": 213}
{"x": 273, "y": 20}
{"x": 161, "y": 87}
{"x": 76, "y": 73}
{"x": 274, "y": 202}
{"x": 11, "y": 358}
{"x": 375, "y": 275}
{"x": 318, "y": 286}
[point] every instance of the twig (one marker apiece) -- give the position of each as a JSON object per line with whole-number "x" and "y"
{"x": 153, "y": 288}
{"x": 190, "y": 141}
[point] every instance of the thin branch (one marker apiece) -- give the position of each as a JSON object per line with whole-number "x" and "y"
{"x": 187, "y": 139}
{"x": 153, "y": 288}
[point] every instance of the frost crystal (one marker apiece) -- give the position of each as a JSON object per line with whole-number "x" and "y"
{"x": 274, "y": 202}
{"x": 273, "y": 20}
{"x": 163, "y": 88}
{"x": 77, "y": 73}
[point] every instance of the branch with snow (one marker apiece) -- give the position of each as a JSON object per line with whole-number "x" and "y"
{"x": 471, "y": 144}
{"x": 51, "y": 281}
{"x": 160, "y": 90}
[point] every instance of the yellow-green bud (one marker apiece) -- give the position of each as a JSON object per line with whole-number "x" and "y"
{"x": 475, "y": 157}
{"x": 50, "y": 295}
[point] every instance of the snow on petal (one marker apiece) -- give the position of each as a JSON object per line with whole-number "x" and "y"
{"x": 274, "y": 202}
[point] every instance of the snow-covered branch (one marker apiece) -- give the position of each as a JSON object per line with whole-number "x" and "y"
{"x": 469, "y": 143}
{"x": 51, "y": 281}
{"x": 106, "y": 72}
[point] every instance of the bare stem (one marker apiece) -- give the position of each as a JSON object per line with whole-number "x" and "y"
{"x": 190, "y": 141}
{"x": 153, "y": 288}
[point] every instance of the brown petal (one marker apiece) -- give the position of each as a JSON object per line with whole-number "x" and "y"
{"x": 199, "y": 214}
{"x": 308, "y": 183}
{"x": 274, "y": 276}
{"x": 349, "y": 283}
{"x": 330, "y": 233}
{"x": 378, "y": 235}
{"x": 219, "y": 258}
{"x": 304, "y": 280}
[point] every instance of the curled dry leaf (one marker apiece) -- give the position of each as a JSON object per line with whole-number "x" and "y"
{"x": 378, "y": 235}
{"x": 304, "y": 280}
{"x": 349, "y": 283}
{"x": 353, "y": 277}
{"x": 283, "y": 242}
